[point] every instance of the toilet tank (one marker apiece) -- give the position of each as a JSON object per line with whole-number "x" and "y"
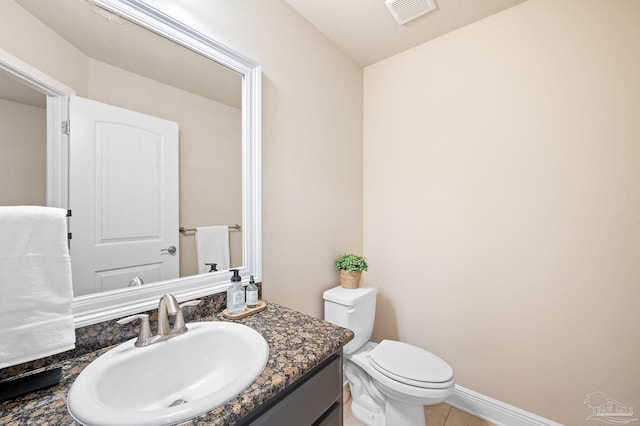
{"x": 352, "y": 308}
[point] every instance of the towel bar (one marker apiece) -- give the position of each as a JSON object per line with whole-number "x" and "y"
{"x": 184, "y": 230}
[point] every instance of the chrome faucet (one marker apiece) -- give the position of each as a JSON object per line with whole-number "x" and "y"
{"x": 168, "y": 306}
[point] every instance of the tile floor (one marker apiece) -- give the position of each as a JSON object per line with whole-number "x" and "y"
{"x": 437, "y": 415}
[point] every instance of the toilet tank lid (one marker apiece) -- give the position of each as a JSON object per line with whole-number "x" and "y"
{"x": 349, "y": 296}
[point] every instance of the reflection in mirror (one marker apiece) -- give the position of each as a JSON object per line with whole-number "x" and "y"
{"x": 22, "y": 118}
{"x": 131, "y": 67}
{"x": 212, "y": 95}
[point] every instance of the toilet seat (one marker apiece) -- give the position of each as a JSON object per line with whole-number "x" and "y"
{"x": 405, "y": 390}
{"x": 411, "y": 365}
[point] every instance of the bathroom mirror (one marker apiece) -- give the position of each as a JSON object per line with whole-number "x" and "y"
{"x": 204, "y": 51}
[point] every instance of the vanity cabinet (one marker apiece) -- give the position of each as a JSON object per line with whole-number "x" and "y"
{"x": 315, "y": 399}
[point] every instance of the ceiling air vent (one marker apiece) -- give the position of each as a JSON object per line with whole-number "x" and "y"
{"x": 406, "y": 10}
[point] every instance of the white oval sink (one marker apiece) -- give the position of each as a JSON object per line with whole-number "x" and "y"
{"x": 169, "y": 381}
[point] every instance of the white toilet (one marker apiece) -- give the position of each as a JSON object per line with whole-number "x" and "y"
{"x": 390, "y": 381}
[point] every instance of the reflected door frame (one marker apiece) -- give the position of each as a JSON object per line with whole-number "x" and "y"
{"x": 57, "y": 95}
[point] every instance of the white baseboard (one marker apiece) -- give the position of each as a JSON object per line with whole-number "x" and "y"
{"x": 497, "y": 412}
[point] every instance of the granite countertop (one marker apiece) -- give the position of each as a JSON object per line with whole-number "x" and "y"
{"x": 297, "y": 343}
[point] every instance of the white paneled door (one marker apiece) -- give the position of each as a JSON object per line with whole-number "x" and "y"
{"x": 123, "y": 193}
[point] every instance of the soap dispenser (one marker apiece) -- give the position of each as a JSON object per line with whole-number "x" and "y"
{"x": 235, "y": 295}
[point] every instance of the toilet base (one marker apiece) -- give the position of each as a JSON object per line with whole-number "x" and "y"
{"x": 400, "y": 414}
{"x": 365, "y": 416}
{"x": 396, "y": 414}
{"x": 375, "y": 403}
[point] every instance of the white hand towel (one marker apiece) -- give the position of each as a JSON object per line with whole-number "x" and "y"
{"x": 35, "y": 284}
{"x": 212, "y": 246}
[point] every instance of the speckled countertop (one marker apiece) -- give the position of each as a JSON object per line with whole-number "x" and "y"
{"x": 297, "y": 343}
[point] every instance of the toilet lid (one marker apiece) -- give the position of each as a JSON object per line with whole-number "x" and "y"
{"x": 409, "y": 364}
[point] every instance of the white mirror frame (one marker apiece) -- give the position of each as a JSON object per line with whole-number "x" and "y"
{"x": 98, "y": 307}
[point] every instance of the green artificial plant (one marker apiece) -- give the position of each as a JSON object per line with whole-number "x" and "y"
{"x": 351, "y": 262}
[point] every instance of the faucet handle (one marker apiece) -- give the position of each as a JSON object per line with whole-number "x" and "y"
{"x": 179, "y": 326}
{"x": 144, "y": 335}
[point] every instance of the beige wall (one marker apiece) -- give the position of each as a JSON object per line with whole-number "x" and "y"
{"x": 502, "y": 206}
{"x": 26, "y": 38}
{"x": 23, "y": 146}
{"x": 312, "y": 142}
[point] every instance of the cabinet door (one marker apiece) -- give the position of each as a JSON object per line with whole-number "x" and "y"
{"x": 333, "y": 417}
{"x": 316, "y": 401}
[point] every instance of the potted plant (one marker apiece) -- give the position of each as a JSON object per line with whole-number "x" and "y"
{"x": 350, "y": 267}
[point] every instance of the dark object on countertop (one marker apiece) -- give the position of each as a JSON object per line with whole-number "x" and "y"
{"x": 27, "y": 384}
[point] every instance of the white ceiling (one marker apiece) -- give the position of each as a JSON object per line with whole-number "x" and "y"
{"x": 367, "y": 32}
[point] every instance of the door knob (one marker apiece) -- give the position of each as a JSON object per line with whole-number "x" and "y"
{"x": 136, "y": 282}
{"x": 170, "y": 250}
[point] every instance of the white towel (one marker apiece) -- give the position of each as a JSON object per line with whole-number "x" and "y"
{"x": 35, "y": 284}
{"x": 212, "y": 246}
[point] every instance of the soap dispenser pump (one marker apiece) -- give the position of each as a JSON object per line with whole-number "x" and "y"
{"x": 235, "y": 294}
